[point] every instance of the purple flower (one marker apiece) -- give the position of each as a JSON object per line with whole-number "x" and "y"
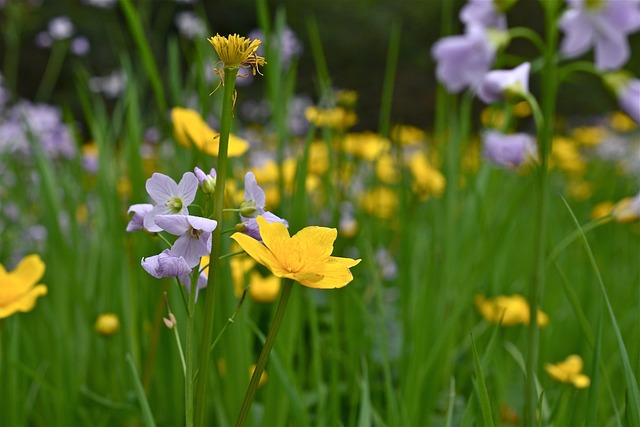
{"x": 484, "y": 13}
{"x": 509, "y": 151}
{"x": 170, "y": 198}
{"x": 137, "y": 221}
{"x": 195, "y": 235}
{"x": 604, "y": 24}
{"x": 629, "y": 99}
{"x": 202, "y": 282}
{"x": 207, "y": 182}
{"x": 80, "y": 46}
{"x": 464, "y": 59}
{"x": 253, "y": 206}
{"x": 166, "y": 264}
{"x": 61, "y": 28}
{"x": 498, "y": 85}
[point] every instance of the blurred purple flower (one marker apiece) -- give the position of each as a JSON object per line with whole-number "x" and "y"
{"x": 165, "y": 264}
{"x": 498, "y": 85}
{"x": 111, "y": 85}
{"x": 43, "y": 39}
{"x": 61, "y": 28}
{"x": 137, "y": 220}
{"x": 463, "y": 59}
{"x": 253, "y": 206}
{"x": 105, "y": 4}
{"x": 80, "y": 46}
{"x": 604, "y": 24}
{"x": 170, "y": 198}
{"x": 288, "y": 45}
{"x": 484, "y": 13}
{"x": 195, "y": 235}
{"x": 508, "y": 151}
{"x": 190, "y": 25}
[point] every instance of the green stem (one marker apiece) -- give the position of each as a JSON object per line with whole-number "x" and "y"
{"x": 264, "y": 354}
{"x": 191, "y": 348}
{"x": 51, "y": 73}
{"x": 528, "y": 34}
{"x": 579, "y": 66}
{"x": 209, "y": 304}
{"x": 545, "y": 138}
{"x": 231, "y": 319}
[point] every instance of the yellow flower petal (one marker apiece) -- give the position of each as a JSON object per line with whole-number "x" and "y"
{"x": 29, "y": 270}
{"x": 581, "y": 381}
{"x": 257, "y": 251}
{"x": 24, "y": 303}
{"x": 275, "y": 236}
{"x": 335, "y": 275}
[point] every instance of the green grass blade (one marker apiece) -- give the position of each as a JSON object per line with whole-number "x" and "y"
{"x": 633, "y": 406}
{"x": 365, "y": 415}
{"x": 386, "y": 103}
{"x": 452, "y": 400}
{"x": 481, "y": 388}
{"x": 147, "y": 416}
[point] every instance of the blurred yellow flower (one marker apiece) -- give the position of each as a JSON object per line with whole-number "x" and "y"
{"x": 365, "y": 145}
{"x": 240, "y": 267}
{"x": 381, "y": 202}
{"x": 235, "y": 51}
{"x": 493, "y": 118}
{"x": 566, "y": 156}
{"x": 512, "y": 310}
{"x": 589, "y": 136}
{"x": 318, "y": 158}
{"x": 263, "y": 289}
{"x": 387, "y": 169}
{"x": 427, "y": 180}
{"x": 335, "y": 118}
{"x": 18, "y": 289}
{"x": 107, "y": 324}
{"x": 263, "y": 376}
{"x": 522, "y": 109}
{"x": 579, "y": 189}
{"x": 569, "y": 371}
{"x": 190, "y": 130}
{"x": 406, "y": 135}
{"x": 305, "y": 257}
{"x": 601, "y": 210}
{"x": 620, "y": 122}
{"x": 627, "y": 210}
{"x": 347, "y": 98}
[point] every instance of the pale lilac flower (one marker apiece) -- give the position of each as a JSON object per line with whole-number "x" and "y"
{"x": 253, "y": 206}
{"x": 629, "y": 99}
{"x": 80, "y": 46}
{"x": 508, "y": 151}
{"x": 498, "y": 85}
{"x": 137, "y": 220}
{"x": 484, "y": 13}
{"x": 170, "y": 198}
{"x": 288, "y": 44}
{"x": 603, "y": 24}
{"x": 43, "y": 39}
{"x": 464, "y": 59}
{"x": 61, "y": 28}
{"x": 195, "y": 235}
{"x": 105, "y": 4}
{"x": 111, "y": 85}
{"x": 190, "y": 25}
{"x": 166, "y": 264}
{"x": 202, "y": 282}
{"x": 207, "y": 182}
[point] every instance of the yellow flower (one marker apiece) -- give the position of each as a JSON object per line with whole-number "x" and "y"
{"x": 366, "y": 145}
{"x": 579, "y": 189}
{"x": 381, "y": 202}
{"x": 512, "y": 310}
{"x": 569, "y": 371}
{"x": 240, "y": 266}
{"x": 589, "y": 136}
{"x": 335, "y": 118}
{"x": 107, "y": 324}
{"x": 427, "y": 180}
{"x": 522, "y": 109}
{"x": 235, "y": 51}
{"x": 407, "y": 135}
{"x": 18, "y": 289}
{"x": 627, "y": 210}
{"x": 190, "y": 129}
{"x": 318, "y": 158}
{"x": 565, "y": 155}
{"x": 305, "y": 257}
{"x": 621, "y": 122}
{"x": 601, "y": 210}
{"x": 387, "y": 169}
{"x": 263, "y": 289}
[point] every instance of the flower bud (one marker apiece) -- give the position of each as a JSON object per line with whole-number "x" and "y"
{"x": 248, "y": 208}
{"x": 207, "y": 182}
{"x": 107, "y": 324}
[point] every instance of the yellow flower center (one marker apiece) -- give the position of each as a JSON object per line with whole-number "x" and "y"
{"x": 235, "y": 51}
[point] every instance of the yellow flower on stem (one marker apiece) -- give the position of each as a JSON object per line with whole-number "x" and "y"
{"x": 305, "y": 257}
{"x": 235, "y": 51}
{"x": 18, "y": 289}
{"x": 569, "y": 371}
{"x": 507, "y": 310}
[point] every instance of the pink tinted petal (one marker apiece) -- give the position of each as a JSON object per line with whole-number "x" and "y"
{"x": 165, "y": 264}
{"x": 623, "y": 15}
{"x": 578, "y": 31}
{"x": 190, "y": 249}
{"x": 139, "y": 212}
{"x": 161, "y": 188}
{"x": 200, "y": 223}
{"x": 174, "y": 224}
{"x": 187, "y": 188}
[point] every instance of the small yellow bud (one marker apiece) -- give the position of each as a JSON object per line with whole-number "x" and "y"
{"x": 107, "y": 324}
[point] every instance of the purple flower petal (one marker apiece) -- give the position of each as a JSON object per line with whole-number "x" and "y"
{"x": 139, "y": 212}
{"x": 192, "y": 249}
{"x": 174, "y": 224}
{"x": 629, "y": 99}
{"x": 161, "y": 188}
{"x": 203, "y": 224}
{"x": 252, "y": 190}
{"x": 202, "y": 283}
{"x": 496, "y": 83}
{"x": 150, "y": 217}
{"x": 187, "y": 188}
{"x": 508, "y": 151}
{"x": 166, "y": 264}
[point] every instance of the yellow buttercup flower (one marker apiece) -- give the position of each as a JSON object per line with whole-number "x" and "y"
{"x": 407, "y": 135}
{"x": 381, "y": 202}
{"x": 511, "y": 310}
{"x": 365, "y": 145}
{"x": 263, "y": 289}
{"x": 107, "y": 324}
{"x": 427, "y": 180}
{"x": 569, "y": 371}
{"x": 601, "y": 210}
{"x": 190, "y": 129}
{"x": 335, "y": 118}
{"x": 566, "y": 156}
{"x": 235, "y": 51}
{"x": 18, "y": 289}
{"x": 589, "y": 136}
{"x": 305, "y": 257}
{"x": 240, "y": 267}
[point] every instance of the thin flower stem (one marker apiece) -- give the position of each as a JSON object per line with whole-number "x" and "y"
{"x": 191, "y": 348}
{"x": 164, "y": 239}
{"x": 528, "y": 34}
{"x": 264, "y": 354}
{"x": 52, "y": 71}
{"x": 575, "y": 234}
{"x": 202, "y": 382}
{"x": 579, "y": 66}
{"x": 231, "y": 254}
{"x": 231, "y": 319}
{"x": 177, "y": 336}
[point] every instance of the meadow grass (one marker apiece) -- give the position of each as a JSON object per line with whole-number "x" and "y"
{"x": 408, "y": 348}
